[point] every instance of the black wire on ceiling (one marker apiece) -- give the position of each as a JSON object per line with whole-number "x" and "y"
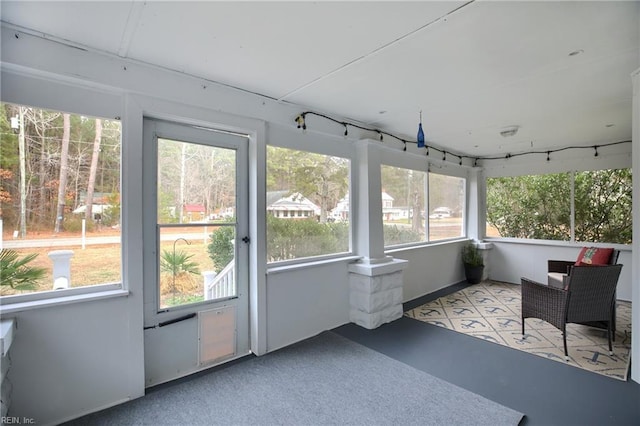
{"x": 302, "y": 124}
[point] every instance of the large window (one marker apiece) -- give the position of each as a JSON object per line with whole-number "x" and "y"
{"x": 403, "y": 205}
{"x": 307, "y": 204}
{"x": 404, "y": 210}
{"x": 541, "y": 206}
{"x": 59, "y": 200}
{"x": 446, "y": 206}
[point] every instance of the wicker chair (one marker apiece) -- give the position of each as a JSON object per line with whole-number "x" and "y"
{"x": 558, "y": 274}
{"x": 588, "y": 298}
{"x": 558, "y": 270}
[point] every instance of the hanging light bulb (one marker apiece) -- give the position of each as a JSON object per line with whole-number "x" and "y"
{"x": 420, "y": 133}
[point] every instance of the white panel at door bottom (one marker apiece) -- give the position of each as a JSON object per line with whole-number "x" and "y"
{"x": 217, "y": 334}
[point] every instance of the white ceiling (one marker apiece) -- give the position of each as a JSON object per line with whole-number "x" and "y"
{"x": 473, "y": 68}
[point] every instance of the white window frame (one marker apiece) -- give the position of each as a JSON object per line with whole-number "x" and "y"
{"x": 406, "y": 160}
{"x": 24, "y": 89}
{"x": 426, "y": 206}
{"x": 465, "y": 204}
{"x": 571, "y": 241}
{"x": 281, "y": 137}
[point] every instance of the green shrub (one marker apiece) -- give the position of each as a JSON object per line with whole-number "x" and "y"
{"x": 295, "y": 238}
{"x": 394, "y": 234}
{"x": 74, "y": 224}
{"x": 220, "y": 249}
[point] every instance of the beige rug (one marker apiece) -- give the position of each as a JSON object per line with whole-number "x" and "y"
{"x": 491, "y": 311}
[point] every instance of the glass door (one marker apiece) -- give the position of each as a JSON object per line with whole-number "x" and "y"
{"x": 196, "y": 249}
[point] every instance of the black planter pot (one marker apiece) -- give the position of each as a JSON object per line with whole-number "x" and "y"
{"x": 473, "y": 273}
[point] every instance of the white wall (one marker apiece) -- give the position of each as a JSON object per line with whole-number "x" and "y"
{"x": 512, "y": 260}
{"x": 71, "y": 360}
{"x": 303, "y": 301}
{"x": 430, "y": 268}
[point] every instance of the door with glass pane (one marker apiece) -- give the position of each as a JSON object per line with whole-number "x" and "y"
{"x": 196, "y": 248}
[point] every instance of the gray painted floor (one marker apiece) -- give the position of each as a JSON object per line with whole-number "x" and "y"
{"x": 324, "y": 380}
{"x": 546, "y": 391}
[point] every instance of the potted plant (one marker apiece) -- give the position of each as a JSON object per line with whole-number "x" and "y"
{"x": 473, "y": 263}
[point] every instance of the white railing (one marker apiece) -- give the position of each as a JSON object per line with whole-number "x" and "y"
{"x": 221, "y": 285}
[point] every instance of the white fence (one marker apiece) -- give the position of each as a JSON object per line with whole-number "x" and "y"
{"x": 221, "y": 285}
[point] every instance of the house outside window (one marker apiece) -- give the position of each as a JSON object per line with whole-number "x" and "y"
{"x": 409, "y": 194}
{"x": 304, "y": 189}
{"x": 403, "y": 205}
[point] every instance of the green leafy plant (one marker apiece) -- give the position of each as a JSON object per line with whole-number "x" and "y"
{"x": 15, "y": 273}
{"x": 471, "y": 255}
{"x": 178, "y": 263}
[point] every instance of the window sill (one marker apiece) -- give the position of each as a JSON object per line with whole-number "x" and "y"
{"x": 426, "y": 244}
{"x": 12, "y": 308}
{"x": 554, "y": 243}
{"x": 305, "y": 265}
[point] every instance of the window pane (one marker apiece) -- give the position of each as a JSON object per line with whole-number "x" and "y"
{"x": 197, "y": 263}
{"x": 307, "y": 204}
{"x": 537, "y": 207}
{"x": 446, "y": 204}
{"x": 603, "y": 206}
{"x": 403, "y": 195}
{"x": 59, "y": 200}
{"x": 196, "y": 222}
{"x": 196, "y": 183}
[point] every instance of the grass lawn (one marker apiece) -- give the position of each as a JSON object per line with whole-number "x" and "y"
{"x": 102, "y": 264}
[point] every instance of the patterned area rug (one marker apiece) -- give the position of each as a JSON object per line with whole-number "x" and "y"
{"x": 491, "y": 311}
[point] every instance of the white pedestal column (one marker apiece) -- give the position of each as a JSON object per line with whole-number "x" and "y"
{"x": 485, "y": 249}
{"x": 375, "y": 282}
{"x": 375, "y": 296}
{"x": 61, "y": 268}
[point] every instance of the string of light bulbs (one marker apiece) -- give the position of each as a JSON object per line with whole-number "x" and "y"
{"x": 302, "y": 124}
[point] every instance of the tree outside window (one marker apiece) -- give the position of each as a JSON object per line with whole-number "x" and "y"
{"x": 60, "y": 190}
{"x": 307, "y": 204}
{"x": 539, "y": 206}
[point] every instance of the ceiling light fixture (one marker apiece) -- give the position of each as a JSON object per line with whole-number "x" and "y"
{"x": 509, "y": 131}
